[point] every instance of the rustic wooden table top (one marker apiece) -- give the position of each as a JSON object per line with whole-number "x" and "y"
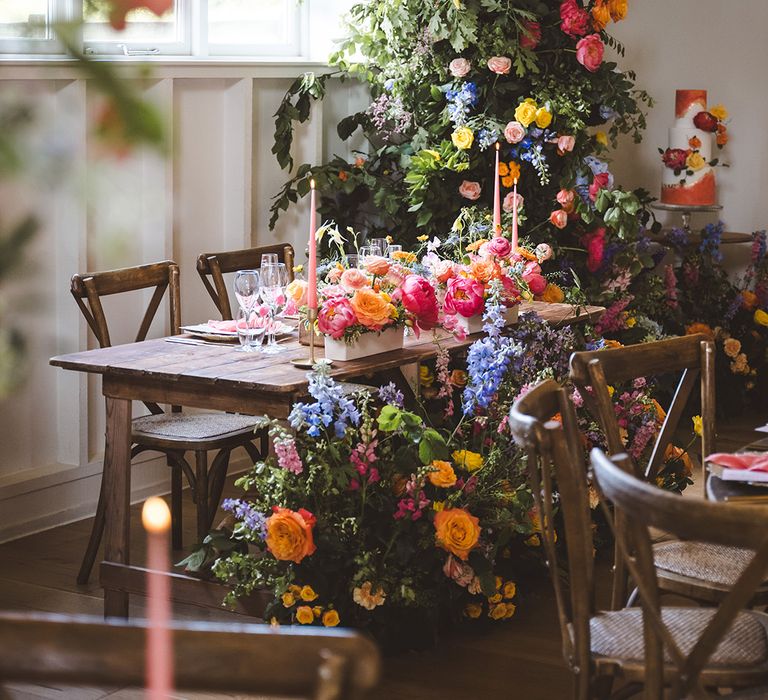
{"x": 207, "y": 365}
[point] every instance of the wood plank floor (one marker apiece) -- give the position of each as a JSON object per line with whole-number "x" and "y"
{"x": 518, "y": 659}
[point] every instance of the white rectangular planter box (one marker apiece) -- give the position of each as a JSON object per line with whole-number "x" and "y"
{"x": 475, "y": 323}
{"x": 367, "y": 344}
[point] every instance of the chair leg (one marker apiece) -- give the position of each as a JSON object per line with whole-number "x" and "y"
{"x": 218, "y": 475}
{"x": 97, "y": 530}
{"x": 201, "y": 492}
{"x": 176, "y": 506}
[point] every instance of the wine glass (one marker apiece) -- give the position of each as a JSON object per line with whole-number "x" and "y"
{"x": 381, "y": 243}
{"x": 247, "y": 284}
{"x": 274, "y": 279}
{"x": 268, "y": 259}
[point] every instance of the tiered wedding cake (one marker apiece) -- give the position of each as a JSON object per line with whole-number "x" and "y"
{"x": 688, "y": 177}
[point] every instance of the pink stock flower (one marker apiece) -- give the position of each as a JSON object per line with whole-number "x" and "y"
{"x": 500, "y": 247}
{"x": 574, "y": 19}
{"x": 335, "y": 316}
{"x": 464, "y": 296}
{"x": 559, "y": 218}
{"x": 514, "y": 132}
{"x": 459, "y": 67}
{"x": 543, "y": 252}
{"x": 594, "y": 242}
{"x": 565, "y": 143}
{"x": 500, "y": 64}
{"x": 601, "y": 182}
{"x": 419, "y": 298}
{"x": 531, "y": 34}
{"x": 470, "y": 190}
{"x": 353, "y": 279}
{"x": 287, "y": 455}
{"x": 509, "y": 202}
{"x": 589, "y": 52}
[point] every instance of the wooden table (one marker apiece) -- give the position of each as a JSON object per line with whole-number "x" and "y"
{"x": 216, "y": 377}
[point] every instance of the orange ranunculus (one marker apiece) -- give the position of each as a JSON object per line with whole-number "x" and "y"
{"x": 672, "y": 453}
{"x": 376, "y": 265}
{"x": 472, "y": 247}
{"x": 601, "y": 15}
{"x": 404, "y": 256}
{"x": 748, "y": 300}
{"x": 527, "y": 254}
{"x": 721, "y": 138}
{"x": 484, "y": 270}
{"x": 457, "y": 531}
{"x": 552, "y": 294}
{"x": 289, "y": 534}
{"x": 443, "y": 474}
{"x": 373, "y": 310}
{"x": 702, "y": 328}
{"x": 512, "y": 173}
{"x": 618, "y": 9}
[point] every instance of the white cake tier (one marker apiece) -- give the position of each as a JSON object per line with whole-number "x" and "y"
{"x": 686, "y": 121}
{"x": 680, "y": 137}
{"x": 668, "y": 176}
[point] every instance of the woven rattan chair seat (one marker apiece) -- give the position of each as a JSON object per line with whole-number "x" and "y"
{"x": 760, "y": 693}
{"x": 619, "y": 634}
{"x": 707, "y": 562}
{"x": 191, "y": 426}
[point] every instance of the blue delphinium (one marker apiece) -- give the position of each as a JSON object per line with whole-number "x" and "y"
{"x": 330, "y": 406}
{"x": 678, "y": 238}
{"x": 710, "y": 241}
{"x": 486, "y": 138}
{"x": 389, "y": 393}
{"x": 460, "y": 102}
{"x": 246, "y": 512}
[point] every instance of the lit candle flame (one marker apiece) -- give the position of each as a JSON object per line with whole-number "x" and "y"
{"x": 312, "y": 184}
{"x": 155, "y": 515}
{"x": 497, "y": 146}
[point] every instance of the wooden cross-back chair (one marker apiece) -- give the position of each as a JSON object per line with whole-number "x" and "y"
{"x": 317, "y": 663}
{"x": 171, "y": 433}
{"x": 704, "y": 572}
{"x": 216, "y": 265}
{"x": 687, "y": 649}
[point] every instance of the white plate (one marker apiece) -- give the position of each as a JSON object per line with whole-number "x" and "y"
{"x": 203, "y": 330}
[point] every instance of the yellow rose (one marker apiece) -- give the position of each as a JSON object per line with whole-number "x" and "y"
{"x": 443, "y": 474}
{"x": 543, "y": 117}
{"x": 288, "y": 599}
{"x": 471, "y": 461}
{"x": 526, "y": 113}
{"x": 495, "y": 598}
{"x": 317, "y": 610}
{"x": 602, "y": 138}
{"x": 695, "y": 161}
{"x": 618, "y": 9}
{"x": 698, "y": 425}
{"x": 308, "y": 594}
{"x": 732, "y": 347}
{"x": 304, "y": 615}
{"x": 509, "y": 589}
{"x": 497, "y": 582}
{"x": 457, "y": 531}
{"x": 462, "y": 138}
{"x": 498, "y": 612}
{"x": 371, "y": 308}
{"x": 437, "y": 506}
{"x": 473, "y": 610}
{"x": 330, "y": 618}
{"x": 511, "y": 607}
{"x": 760, "y": 317}
{"x": 719, "y": 112}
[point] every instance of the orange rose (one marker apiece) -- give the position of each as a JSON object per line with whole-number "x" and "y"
{"x": 721, "y": 138}
{"x": 376, "y": 265}
{"x": 702, "y": 328}
{"x": 457, "y": 531}
{"x": 289, "y": 534}
{"x": 673, "y": 453}
{"x": 552, "y": 294}
{"x": 373, "y": 310}
{"x": 484, "y": 270}
{"x": 748, "y": 300}
{"x": 601, "y": 15}
{"x": 443, "y": 476}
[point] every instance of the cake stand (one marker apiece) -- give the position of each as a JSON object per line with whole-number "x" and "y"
{"x": 686, "y": 210}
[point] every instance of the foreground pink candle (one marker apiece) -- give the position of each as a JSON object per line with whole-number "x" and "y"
{"x": 312, "y": 272}
{"x": 514, "y": 219}
{"x": 159, "y": 655}
{"x": 496, "y": 197}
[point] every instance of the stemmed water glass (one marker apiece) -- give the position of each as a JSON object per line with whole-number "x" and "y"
{"x": 381, "y": 243}
{"x": 247, "y": 286}
{"x": 274, "y": 278}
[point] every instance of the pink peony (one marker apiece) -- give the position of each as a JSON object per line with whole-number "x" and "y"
{"x": 543, "y": 252}
{"x": 533, "y": 277}
{"x": 469, "y": 189}
{"x": 419, "y": 298}
{"x": 464, "y": 296}
{"x": 500, "y": 64}
{"x": 600, "y": 182}
{"x": 459, "y": 67}
{"x": 444, "y": 270}
{"x": 574, "y": 19}
{"x": 594, "y": 242}
{"x": 514, "y": 132}
{"x": 559, "y": 218}
{"x": 353, "y": 279}
{"x": 531, "y": 35}
{"x": 565, "y": 143}
{"x": 500, "y": 247}
{"x": 509, "y": 202}
{"x": 589, "y": 52}
{"x": 335, "y": 316}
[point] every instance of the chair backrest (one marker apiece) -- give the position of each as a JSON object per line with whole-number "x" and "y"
{"x": 554, "y": 449}
{"x": 645, "y": 506}
{"x": 693, "y": 355}
{"x": 216, "y": 265}
{"x": 236, "y": 658}
{"x": 89, "y": 287}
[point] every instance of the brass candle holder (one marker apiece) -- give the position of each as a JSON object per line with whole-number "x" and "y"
{"x": 309, "y": 362}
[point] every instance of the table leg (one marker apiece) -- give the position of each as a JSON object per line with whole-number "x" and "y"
{"x": 117, "y": 487}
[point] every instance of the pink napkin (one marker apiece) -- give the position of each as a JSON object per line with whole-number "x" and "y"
{"x": 226, "y": 326}
{"x": 752, "y": 461}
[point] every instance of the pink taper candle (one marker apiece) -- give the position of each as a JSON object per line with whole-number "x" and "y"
{"x": 159, "y": 653}
{"x": 312, "y": 272}
{"x": 514, "y": 219}
{"x": 496, "y": 197}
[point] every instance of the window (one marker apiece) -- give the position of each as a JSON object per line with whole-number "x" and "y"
{"x": 190, "y": 27}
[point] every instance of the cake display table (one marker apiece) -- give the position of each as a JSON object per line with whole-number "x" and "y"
{"x": 686, "y": 210}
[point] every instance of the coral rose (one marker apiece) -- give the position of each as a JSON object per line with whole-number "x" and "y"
{"x": 443, "y": 270}
{"x": 500, "y": 64}
{"x": 419, "y": 298}
{"x": 457, "y": 531}
{"x": 463, "y": 138}
{"x": 373, "y": 310}
{"x": 514, "y": 132}
{"x": 376, "y": 265}
{"x": 335, "y": 316}
{"x": 289, "y": 534}
{"x": 574, "y": 19}
{"x": 732, "y": 347}
{"x": 566, "y": 198}
{"x": 748, "y": 299}
{"x": 443, "y": 474}
{"x": 353, "y": 279}
{"x": 511, "y": 200}
{"x": 543, "y": 252}
{"x": 484, "y": 270}
{"x": 589, "y": 52}
{"x": 464, "y": 296}
{"x": 469, "y": 189}
{"x": 531, "y": 34}
{"x": 565, "y": 143}
{"x": 533, "y": 278}
{"x": 500, "y": 247}
{"x": 459, "y": 67}
{"x": 559, "y": 218}
{"x": 458, "y": 378}
{"x": 525, "y": 113}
